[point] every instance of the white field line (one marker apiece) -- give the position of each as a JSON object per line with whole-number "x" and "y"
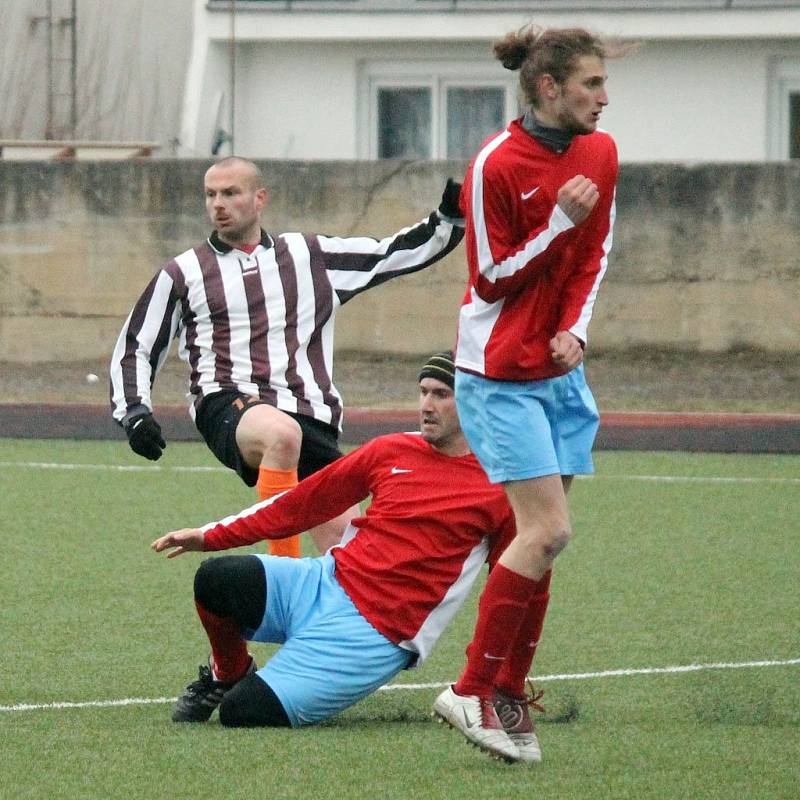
{"x": 623, "y": 477}
{"x": 108, "y": 467}
{"x": 621, "y": 673}
{"x": 690, "y": 478}
{"x": 577, "y": 676}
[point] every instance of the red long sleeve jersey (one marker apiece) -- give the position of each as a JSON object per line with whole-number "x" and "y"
{"x": 532, "y": 272}
{"x": 408, "y": 563}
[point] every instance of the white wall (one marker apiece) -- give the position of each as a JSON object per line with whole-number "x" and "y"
{"x": 689, "y": 94}
{"x": 691, "y": 101}
{"x": 670, "y": 101}
{"x": 306, "y": 101}
{"x": 297, "y": 102}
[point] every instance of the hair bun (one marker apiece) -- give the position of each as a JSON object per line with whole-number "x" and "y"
{"x": 512, "y": 54}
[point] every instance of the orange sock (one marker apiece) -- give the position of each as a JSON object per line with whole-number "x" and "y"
{"x": 271, "y": 482}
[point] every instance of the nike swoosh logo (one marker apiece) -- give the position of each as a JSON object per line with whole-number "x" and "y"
{"x": 470, "y": 723}
{"x": 531, "y": 193}
{"x": 397, "y": 470}
{"x": 493, "y": 658}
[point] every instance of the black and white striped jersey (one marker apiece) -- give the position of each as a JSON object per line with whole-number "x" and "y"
{"x": 262, "y": 323}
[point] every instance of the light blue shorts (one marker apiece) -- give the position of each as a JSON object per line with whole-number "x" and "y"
{"x": 331, "y": 656}
{"x": 527, "y": 429}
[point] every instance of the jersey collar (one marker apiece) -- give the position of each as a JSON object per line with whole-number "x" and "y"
{"x": 554, "y": 139}
{"x": 223, "y": 248}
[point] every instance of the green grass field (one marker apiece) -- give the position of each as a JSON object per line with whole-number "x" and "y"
{"x": 678, "y": 561}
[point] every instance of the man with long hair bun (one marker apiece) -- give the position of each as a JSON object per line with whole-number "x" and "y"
{"x": 539, "y": 205}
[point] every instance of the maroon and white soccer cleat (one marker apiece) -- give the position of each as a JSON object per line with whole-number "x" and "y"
{"x": 515, "y": 716}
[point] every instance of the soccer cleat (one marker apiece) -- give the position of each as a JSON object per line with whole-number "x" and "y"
{"x": 201, "y": 697}
{"x": 515, "y": 716}
{"x": 476, "y": 718}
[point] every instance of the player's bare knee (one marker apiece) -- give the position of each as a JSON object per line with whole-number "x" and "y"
{"x": 266, "y": 435}
{"x": 548, "y": 539}
{"x": 278, "y": 440}
{"x": 283, "y": 445}
{"x": 557, "y": 540}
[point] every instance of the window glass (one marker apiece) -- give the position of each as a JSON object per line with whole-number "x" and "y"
{"x": 404, "y": 122}
{"x": 472, "y": 114}
{"x": 794, "y": 125}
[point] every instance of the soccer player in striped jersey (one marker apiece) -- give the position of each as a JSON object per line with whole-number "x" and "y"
{"x": 352, "y": 619}
{"x": 539, "y": 201}
{"x": 254, "y": 317}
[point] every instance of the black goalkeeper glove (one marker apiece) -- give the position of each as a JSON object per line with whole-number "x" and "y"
{"x": 144, "y": 436}
{"x": 449, "y": 205}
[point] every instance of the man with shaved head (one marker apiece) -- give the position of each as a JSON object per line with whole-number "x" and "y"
{"x": 254, "y": 317}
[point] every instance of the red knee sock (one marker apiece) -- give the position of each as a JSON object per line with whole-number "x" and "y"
{"x": 501, "y": 610}
{"x": 515, "y": 669}
{"x": 229, "y": 655}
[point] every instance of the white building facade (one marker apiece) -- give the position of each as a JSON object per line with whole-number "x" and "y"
{"x": 416, "y": 79}
{"x": 710, "y": 80}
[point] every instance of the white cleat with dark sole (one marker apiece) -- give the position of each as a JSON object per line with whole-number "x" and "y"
{"x": 477, "y": 720}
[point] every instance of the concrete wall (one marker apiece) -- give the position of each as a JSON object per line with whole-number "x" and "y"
{"x": 705, "y": 257}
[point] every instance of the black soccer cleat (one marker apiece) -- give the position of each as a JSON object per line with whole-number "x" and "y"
{"x": 201, "y": 697}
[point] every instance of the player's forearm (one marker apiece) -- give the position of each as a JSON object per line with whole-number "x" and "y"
{"x": 142, "y": 344}
{"x": 129, "y": 393}
{"x": 225, "y": 537}
{"x": 503, "y": 269}
{"x": 581, "y": 290}
{"x": 319, "y": 498}
{"x": 357, "y": 264}
{"x": 264, "y": 520}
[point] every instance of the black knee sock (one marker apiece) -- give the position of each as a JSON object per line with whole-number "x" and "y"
{"x": 234, "y": 587}
{"x": 252, "y": 704}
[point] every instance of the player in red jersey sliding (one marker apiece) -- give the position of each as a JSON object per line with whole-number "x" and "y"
{"x": 539, "y": 203}
{"x": 352, "y": 619}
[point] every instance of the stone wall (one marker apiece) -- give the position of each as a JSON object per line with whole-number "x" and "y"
{"x": 706, "y": 257}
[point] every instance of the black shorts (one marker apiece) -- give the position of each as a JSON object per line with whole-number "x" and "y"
{"x": 219, "y": 414}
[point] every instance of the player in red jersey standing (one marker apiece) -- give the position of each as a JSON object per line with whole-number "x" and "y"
{"x": 353, "y": 618}
{"x": 539, "y": 202}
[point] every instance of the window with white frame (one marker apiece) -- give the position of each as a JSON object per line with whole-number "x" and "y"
{"x": 785, "y": 110}
{"x": 432, "y": 109}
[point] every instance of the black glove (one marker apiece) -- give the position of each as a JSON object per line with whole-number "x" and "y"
{"x": 449, "y": 205}
{"x": 144, "y": 435}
